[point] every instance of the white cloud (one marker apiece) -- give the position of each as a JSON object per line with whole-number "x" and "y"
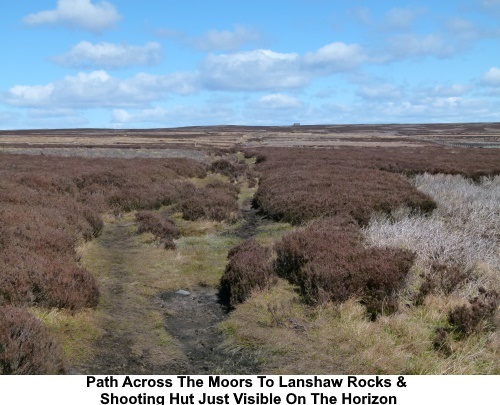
{"x": 109, "y": 56}
{"x": 492, "y": 77}
{"x": 335, "y": 57}
{"x": 81, "y": 14}
{"x": 268, "y": 70}
{"x": 99, "y": 89}
{"x": 278, "y": 101}
{"x": 253, "y": 70}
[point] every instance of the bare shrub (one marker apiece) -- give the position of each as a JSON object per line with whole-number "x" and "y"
{"x": 249, "y": 268}
{"x": 468, "y": 205}
{"x": 25, "y": 345}
{"x": 459, "y": 234}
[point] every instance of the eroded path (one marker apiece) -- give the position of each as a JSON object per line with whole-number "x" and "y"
{"x": 132, "y": 338}
{"x": 146, "y": 326}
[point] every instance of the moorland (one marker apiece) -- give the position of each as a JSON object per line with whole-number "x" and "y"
{"x": 326, "y": 249}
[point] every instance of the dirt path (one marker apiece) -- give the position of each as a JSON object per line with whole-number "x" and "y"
{"x": 162, "y": 333}
{"x": 127, "y": 345}
{"x": 193, "y": 320}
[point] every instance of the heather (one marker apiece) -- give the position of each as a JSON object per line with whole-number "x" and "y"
{"x": 296, "y": 189}
{"x": 25, "y": 345}
{"x": 329, "y": 262}
{"x": 48, "y": 205}
{"x": 249, "y": 269}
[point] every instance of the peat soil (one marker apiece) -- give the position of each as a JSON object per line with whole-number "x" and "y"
{"x": 193, "y": 320}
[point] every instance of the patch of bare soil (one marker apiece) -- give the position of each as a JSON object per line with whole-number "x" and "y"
{"x": 193, "y": 319}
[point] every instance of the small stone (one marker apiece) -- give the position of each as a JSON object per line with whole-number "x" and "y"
{"x": 183, "y": 292}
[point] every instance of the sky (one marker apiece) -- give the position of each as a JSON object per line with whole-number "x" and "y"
{"x": 158, "y": 63}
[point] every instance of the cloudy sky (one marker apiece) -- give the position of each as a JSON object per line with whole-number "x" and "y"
{"x": 157, "y": 63}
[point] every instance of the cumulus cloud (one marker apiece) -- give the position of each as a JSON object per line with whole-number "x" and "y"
{"x": 109, "y": 56}
{"x": 278, "y": 101}
{"x": 253, "y": 70}
{"x": 335, "y": 57}
{"x": 492, "y": 77}
{"x": 82, "y": 14}
{"x": 99, "y": 89}
{"x": 269, "y": 70}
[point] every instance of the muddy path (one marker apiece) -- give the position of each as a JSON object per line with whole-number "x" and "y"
{"x": 189, "y": 318}
{"x": 192, "y": 317}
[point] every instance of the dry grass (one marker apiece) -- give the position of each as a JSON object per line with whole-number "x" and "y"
{"x": 293, "y": 338}
{"x": 77, "y": 331}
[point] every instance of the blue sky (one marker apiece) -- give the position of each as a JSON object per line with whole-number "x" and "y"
{"x": 157, "y": 63}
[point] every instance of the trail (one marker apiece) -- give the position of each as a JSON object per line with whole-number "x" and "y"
{"x": 130, "y": 345}
{"x": 127, "y": 343}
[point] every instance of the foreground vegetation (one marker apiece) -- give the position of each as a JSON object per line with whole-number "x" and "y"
{"x": 385, "y": 269}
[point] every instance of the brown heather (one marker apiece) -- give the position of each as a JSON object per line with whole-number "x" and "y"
{"x": 226, "y": 168}
{"x": 249, "y": 269}
{"x": 47, "y": 204}
{"x": 329, "y": 262}
{"x": 25, "y": 345}
{"x": 159, "y": 225}
{"x": 480, "y": 314}
{"x": 218, "y": 201}
{"x": 297, "y": 185}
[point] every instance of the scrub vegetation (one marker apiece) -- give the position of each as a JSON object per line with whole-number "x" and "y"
{"x": 344, "y": 260}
